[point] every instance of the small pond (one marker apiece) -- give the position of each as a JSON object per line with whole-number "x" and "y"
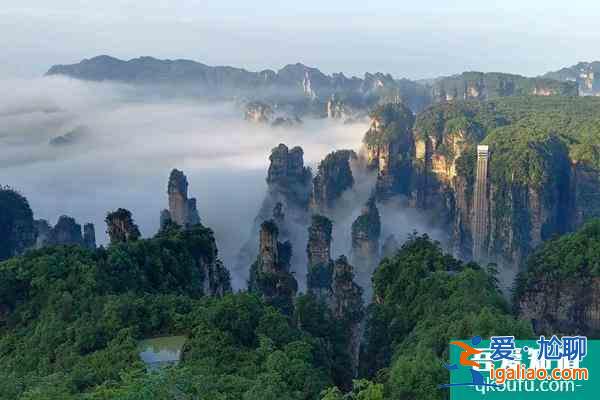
{"x": 161, "y": 351}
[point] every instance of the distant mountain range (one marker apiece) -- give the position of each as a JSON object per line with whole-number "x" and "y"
{"x": 305, "y": 89}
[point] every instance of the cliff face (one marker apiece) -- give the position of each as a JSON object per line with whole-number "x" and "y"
{"x": 500, "y": 177}
{"x": 388, "y": 145}
{"x": 320, "y": 265}
{"x": 120, "y": 227}
{"x": 333, "y": 284}
{"x": 270, "y": 274}
{"x": 565, "y": 308}
{"x": 366, "y": 231}
{"x": 89, "y": 236}
{"x": 182, "y": 210}
{"x": 286, "y": 201}
{"x": 585, "y": 74}
{"x": 334, "y": 176}
{"x": 347, "y": 306}
{"x": 560, "y": 289}
{"x": 485, "y": 86}
{"x": 17, "y": 231}
{"x": 258, "y": 112}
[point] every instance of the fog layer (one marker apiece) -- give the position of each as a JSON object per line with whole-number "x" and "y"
{"x": 118, "y": 152}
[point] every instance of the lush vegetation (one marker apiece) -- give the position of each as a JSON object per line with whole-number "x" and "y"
{"x": 423, "y": 298}
{"x": 571, "y": 258}
{"x": 71, "y": 320}
{"x": 16, "y": 223}
{"x": 395, "y": 122}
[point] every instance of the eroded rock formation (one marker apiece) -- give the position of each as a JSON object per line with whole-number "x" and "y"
{"x": 389, "y": 145}
{"x": 288, "y": 192}
{"x": 270, "y": 274}
{"x": 366, "y": 231}
{"x": 258, "y": 112}
{"x": 66, "y": 231}
{"x": 347, "y": 306}
{"x": 320, "y": 265}
{"x": 559, "y": 292}
{"x": 120, "y": 227}
{"x": 182, "y": 210}
{"x": 89, "y": 236}
{"x": 334, "y": 176}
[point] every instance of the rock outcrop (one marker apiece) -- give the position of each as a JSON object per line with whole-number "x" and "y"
{"x": 388, "y": 145}
{"x": 347, "y": 306}
{"x": 585, "y": 74}
{"x": 333, "y": 284}
{"x": 366, "y": 231}
{"x": 559, "y": 292}
{"x": 17, "y": 231}
{"x": 288, "y": 179}
{"x": 334, "y": 176}
{"x": 89, "y": 236}
{"x": 286, "y": 201}
{"x": 258, "y": 112}
{"x": 182, "y": 210}
{"x": 270, "y": 274}
{"x": 120, "y": 227}
{"x": 485, "y": 86}
{"x": 66, "y": 232}
{"x": 42, "y": 229}
{"x": 320, "y": 265}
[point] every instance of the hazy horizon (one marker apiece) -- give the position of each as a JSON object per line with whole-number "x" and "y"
{"x": 416, "y": 41}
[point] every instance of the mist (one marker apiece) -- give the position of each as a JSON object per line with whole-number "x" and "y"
{"x": 125, "y": 144}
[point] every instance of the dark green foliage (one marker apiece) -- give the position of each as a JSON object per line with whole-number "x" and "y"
{"x": 17, "y": 232}
{"x": 423, "y": 298}
{"x": 73, "y": 315}
{"x": 320, "y": 276}
{"x": 315, "y": 318}
{"x": 570, "y": 259}
{"x": 396, "y": 121}
{"x": 333, "y": 177}
{"x": 368, "y": 222}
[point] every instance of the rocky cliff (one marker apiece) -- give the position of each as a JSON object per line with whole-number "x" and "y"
{"x": 585, "y": 74}
{"x": 120, "y": 227}
{"x": 182, "y": 210}
{"x": 320, "y": 265}
{"x": 366, "y": 230}
{"x": 560, "y": 289}
{"x": 334, "y": 176}
{"x": 17, "y": 231}
{"x": 388, "y": 147}
{"x": 306, "y": 90}
{"x": 258, "y": 112}
{"x": 270, "y": 275}
{"x": 347, "y": 306}
{"x": 496, "y": 205}
{"x": 486, "y": 86}
{"x": 286, "y": 201}
{"x": 66, "y": 232}
{"x": 333, "y": 284}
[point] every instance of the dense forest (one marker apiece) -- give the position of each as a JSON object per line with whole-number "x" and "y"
{"x": 72, "y": 317}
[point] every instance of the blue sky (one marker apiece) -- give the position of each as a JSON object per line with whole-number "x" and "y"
{"x": 408, "y": 39}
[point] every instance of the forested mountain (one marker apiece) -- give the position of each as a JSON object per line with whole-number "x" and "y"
{"x": 306, "y": 90}
{"x": 331, "y": 303}
{"x": 585, "y": 74}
